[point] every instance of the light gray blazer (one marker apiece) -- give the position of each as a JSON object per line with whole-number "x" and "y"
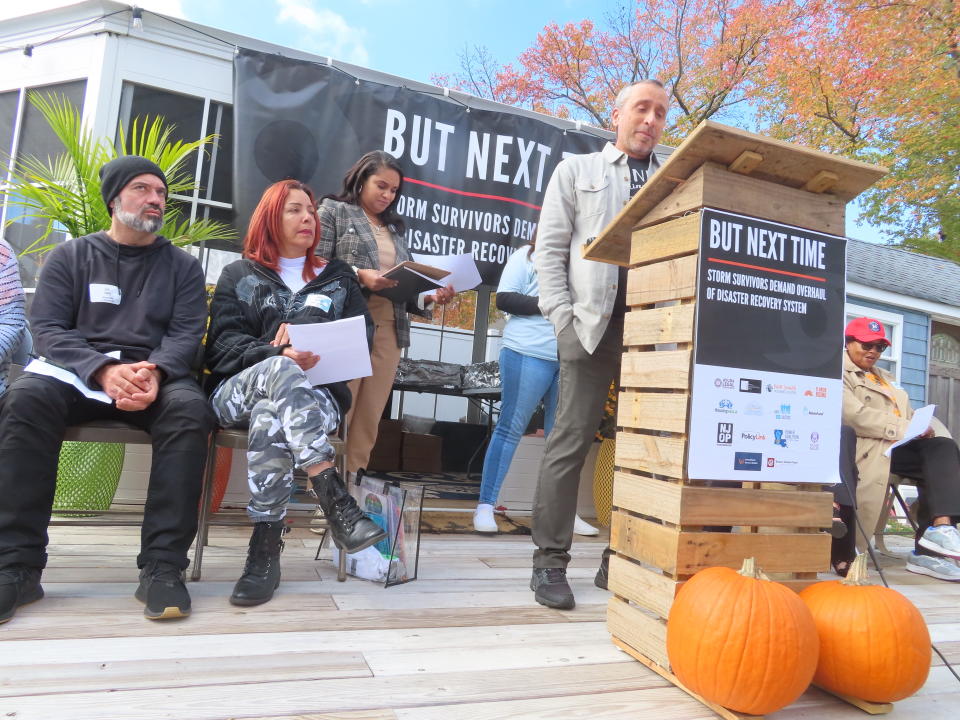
{"x": 584, "y": 194}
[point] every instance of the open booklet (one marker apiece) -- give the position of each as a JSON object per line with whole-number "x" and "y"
{"x": 412, "y": 279}
{"x": 919, "y": 424}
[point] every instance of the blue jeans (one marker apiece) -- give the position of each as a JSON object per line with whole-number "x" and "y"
{"x": 524, "y": 381}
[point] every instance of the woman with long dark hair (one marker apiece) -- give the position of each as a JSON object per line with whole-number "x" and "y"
{"x": 360, "y": 226}
{"x": 260, "y": 380}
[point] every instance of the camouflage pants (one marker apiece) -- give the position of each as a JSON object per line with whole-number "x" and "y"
{"x": 288, "y": 422}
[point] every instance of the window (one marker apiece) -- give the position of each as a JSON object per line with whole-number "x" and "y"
{"x": 23, "y": 132}
{"x": 892, "y": 326}
{"x": 193, "y": 118}
{"x": 945, "y": 350}
{"x": 9, "y": 102}
{"x": 35, "y": 136}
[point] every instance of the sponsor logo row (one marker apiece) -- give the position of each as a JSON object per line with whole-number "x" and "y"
{"x": 752, "y": 385}
{"x": 783, "y": 411}
{"x": 781, "y": 437}
{"x": 752, "y": 461}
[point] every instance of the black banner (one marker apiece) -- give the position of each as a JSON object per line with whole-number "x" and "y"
{"x": 770, "y": 298}
{"x": 474, "y": 178}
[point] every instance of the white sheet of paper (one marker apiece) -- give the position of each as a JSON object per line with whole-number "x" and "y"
{"x": 917, "y": 427}
{"x": 464, "y": 274}
{"x": 41, "y": 367}
{"x": 341, "y": 345}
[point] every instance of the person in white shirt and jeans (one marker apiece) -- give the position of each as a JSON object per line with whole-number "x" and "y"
{"x": 529, "y": 373}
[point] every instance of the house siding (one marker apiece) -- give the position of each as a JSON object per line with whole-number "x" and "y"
{"x": 915, "y": 350}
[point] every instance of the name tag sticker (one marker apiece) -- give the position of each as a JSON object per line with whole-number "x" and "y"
{"x": 319, "y": 300}
{"x": 102, "y": 293}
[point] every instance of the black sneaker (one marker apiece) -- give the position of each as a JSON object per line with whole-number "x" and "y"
{"x": 550, "y": 588}
{"x": 163, "y": 592}
{"x": 19, "y": 585}
{"x": 603, "y": 573}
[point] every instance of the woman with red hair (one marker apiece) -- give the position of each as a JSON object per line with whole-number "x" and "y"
{"x": 260, "y": 381}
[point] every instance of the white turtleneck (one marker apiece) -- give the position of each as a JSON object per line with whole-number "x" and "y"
{"x": 291, "y": 272}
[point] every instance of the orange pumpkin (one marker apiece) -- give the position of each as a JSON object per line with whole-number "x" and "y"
{"x": 740, "y": 640}
{"x": 874, "y": 643}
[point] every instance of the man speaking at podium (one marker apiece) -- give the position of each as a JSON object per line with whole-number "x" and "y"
{"x": 586, "y": 302}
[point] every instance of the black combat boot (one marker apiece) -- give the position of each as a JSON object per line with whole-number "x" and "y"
{"x": 352, "y": 531}
{"x": 261, "y": 574}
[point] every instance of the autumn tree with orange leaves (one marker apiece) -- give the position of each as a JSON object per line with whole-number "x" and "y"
{"x": 711, "y": 54}
{"x": 875, "y": 80}
{"x": 879, "y": 80}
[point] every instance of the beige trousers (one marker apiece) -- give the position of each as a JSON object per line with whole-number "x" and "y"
{"x": 370, "y": 394}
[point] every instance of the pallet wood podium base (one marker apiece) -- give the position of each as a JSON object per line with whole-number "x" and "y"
{"x": 666, "y": 526}
{"x": 871, "y": 708}
{"x": 667, "y": 675}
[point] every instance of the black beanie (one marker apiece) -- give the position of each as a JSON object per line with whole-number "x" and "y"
{"x": 115, "y": 175}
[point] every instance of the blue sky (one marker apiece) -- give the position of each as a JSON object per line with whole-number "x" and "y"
{"x": 409, "y": 38}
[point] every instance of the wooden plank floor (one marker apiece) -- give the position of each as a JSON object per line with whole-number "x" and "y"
{"x": 466, "y": 640}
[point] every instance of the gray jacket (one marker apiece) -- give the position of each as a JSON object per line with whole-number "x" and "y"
{"x": 584, "y": 194}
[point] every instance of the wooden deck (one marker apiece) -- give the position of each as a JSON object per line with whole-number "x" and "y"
{"x": 465, "y": 641}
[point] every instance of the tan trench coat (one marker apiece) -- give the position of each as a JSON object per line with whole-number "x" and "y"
{"x": 869, "y": 409}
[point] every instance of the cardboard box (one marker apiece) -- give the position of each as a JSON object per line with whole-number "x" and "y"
{"x": 385, "y": 455}
{"x": 422, "y": 453}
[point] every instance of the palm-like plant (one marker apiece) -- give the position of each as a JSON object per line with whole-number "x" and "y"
{"x": 64, "y": 191}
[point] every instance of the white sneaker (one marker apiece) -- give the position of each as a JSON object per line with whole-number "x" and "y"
{"x": 942, "y": 539}
{"x": 580, "y": 527}
{"x": 936, "y": 567}
{"x": 483, "y": 520}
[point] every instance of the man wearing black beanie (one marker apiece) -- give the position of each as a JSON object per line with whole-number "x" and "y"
{"x": 124, "y": 310}
{"x": 116, "y": 175}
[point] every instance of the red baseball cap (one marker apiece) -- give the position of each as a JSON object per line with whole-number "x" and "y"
{"x": 866, "y": 329}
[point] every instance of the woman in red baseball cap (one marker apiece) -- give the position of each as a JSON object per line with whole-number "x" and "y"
{"x": 879, "y": 412}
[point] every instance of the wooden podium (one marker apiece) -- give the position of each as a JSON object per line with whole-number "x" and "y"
{"x": 662, "y": 518}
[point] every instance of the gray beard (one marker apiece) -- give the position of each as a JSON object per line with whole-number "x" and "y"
{"x": 149, "y": 225}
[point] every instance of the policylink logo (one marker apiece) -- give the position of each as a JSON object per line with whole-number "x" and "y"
{"x": 724, "y": 433}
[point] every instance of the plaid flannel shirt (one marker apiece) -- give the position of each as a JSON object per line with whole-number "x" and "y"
{"x": 346, "y": 234}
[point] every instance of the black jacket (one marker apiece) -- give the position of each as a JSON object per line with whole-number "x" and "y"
{"x": 250, "y": 303}
{"x": 77, "y": 316}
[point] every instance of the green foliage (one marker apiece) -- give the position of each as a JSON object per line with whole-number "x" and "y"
{"x": 63, "y": 192}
